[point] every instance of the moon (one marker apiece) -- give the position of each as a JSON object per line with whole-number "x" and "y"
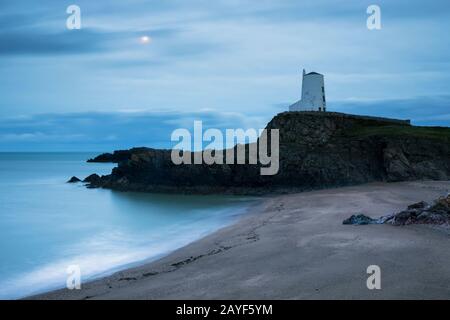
{"x": 145, "y": 39}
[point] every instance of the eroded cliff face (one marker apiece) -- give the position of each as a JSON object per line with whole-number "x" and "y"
{"x": 335, "y": 149}
{"x": 317, "y": 150}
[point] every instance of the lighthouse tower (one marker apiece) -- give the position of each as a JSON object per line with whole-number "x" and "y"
{"x": 313, "y": 93}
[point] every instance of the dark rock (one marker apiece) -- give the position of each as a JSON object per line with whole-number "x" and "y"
{"x": 73, "y": 180}
{"x": 104, "y": 157}
{"x": 441, "y": 205}
{"x": 421, "y": 213}
{"x": 418, "y": 205}
{"x": 428, "y": 217}
{"x": 404, "y": 217}
{"x": 360, "y": 219}
{"x": 418, "y": 213}
{"x": 117, "y": 156}
{"x": 93, "y": 178}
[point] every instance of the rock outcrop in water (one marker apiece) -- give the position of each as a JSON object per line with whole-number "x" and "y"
{"x": 73, "y": 180}
{"x": 317, "y": 150}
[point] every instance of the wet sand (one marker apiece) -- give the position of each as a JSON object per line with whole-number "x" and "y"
{"x": 296, "y": 247}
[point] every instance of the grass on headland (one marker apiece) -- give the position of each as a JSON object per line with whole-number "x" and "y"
{"x": 439, "y": 133}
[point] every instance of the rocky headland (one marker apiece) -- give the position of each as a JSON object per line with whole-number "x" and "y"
{"x": 317, "y": 150}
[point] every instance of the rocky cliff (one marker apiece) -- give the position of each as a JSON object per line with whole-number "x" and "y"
{"x": 317, "y": 150}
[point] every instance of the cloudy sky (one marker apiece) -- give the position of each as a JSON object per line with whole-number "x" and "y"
{"x": 230, "y": 63}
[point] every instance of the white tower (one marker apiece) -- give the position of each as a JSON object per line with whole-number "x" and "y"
{"x": 313, "y": 93}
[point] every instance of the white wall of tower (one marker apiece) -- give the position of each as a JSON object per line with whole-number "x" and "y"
{"x": 313, "y": 94}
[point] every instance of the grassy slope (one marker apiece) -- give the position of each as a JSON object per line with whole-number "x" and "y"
{"x": 439, "y": 133}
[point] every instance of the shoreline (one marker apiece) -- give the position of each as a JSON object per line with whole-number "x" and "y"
{"x": 294, "y": 246}
{"x": 238, "y": 207}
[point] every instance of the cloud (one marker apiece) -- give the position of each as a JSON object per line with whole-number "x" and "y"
{"x": 85, "y": 40}
{"x": 423, "y": 110}
{"x": 81, "y": 41}
{"x": 225, "y": 54}
{"x": 92, "y": 131}
{"x": 107, "y": 131}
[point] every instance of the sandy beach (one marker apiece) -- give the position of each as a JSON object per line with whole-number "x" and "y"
{"x": 296, "y": 247}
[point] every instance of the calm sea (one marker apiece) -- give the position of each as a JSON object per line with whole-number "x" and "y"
{"x": 47, "y": 225}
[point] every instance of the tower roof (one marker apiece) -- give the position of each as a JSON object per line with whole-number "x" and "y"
{"x": 313, "y": 73}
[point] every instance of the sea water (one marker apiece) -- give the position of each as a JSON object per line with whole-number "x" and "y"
{"x": 47, "y": 225}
